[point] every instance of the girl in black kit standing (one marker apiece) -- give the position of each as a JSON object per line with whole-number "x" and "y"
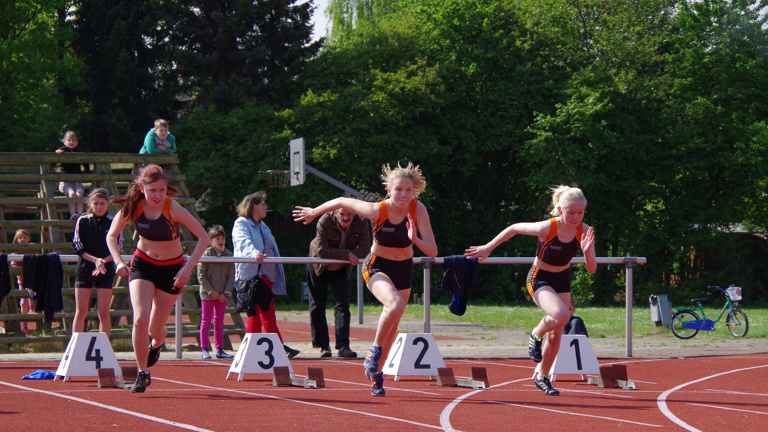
{"x": 95, "y": 268}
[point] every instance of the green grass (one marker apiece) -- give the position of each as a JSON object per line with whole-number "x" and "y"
{"x": 602, "y": 322}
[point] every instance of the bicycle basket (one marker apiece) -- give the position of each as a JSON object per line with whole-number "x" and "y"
{"x": 734, "y": 293}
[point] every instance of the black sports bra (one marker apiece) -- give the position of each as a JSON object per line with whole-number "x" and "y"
{"x": 164, "y": 228}
{"x": 553, "y": 251}
{"x": 387, "y": 234}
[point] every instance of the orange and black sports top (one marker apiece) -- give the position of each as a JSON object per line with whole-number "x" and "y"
{"x": 553, "y": 251}
{"x": 164, "y": 228}
{"x": 387, "y": 234}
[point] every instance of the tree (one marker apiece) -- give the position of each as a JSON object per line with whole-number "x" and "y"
{"x": 237, "y": 50}
{"x": 37, "y": 74}
{"x": 127, "y": 69}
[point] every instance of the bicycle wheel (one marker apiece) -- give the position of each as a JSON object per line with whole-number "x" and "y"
{"x": 737, "y": 323}
{"x": 677, "y": 324}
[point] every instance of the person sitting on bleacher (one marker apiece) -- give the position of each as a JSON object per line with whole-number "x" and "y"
{"x": 72, "y": 189}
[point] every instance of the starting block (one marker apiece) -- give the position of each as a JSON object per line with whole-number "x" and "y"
{"x": 478, "y": 378}
{"x": 613, "y": 376}
{"x": 107, "y": 377}
{"x": 282, "y": 378}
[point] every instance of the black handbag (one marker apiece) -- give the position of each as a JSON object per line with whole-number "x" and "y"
{"x": 255, "y": 292}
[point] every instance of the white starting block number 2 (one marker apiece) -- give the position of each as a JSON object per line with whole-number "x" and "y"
{"x": 413, "y": 354}
{"x": 85, "y": 353}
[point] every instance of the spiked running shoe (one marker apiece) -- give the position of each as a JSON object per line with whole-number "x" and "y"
{"x": 143, "y": 380}
{"x": 377, "y": 383}
{"x": 534, "y": 348}
{"x": 154, "y": 354}
{"x": 372, "y": 358}
{"x": 544, "y": 384}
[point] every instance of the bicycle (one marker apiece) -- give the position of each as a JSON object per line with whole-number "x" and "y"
{"x": 686, "y": 323}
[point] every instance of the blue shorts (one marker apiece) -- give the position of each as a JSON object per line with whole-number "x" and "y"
{"x": 399, "y": 272}
{"x": 559, "y": 281}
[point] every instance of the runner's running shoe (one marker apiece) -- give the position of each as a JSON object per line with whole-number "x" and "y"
{"x": 377, "y": 383}
{"x": 154, "y": 354}
{"x": 544, "y": 384}
{"x": 372, "y": 358}
{"x": 534, "y": 348}
{"x": 143, "y": 381}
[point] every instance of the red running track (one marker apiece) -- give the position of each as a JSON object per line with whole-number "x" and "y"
{"x": 696, "y": 393}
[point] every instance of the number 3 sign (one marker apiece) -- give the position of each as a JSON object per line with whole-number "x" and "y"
{"x": 413, "y": 354}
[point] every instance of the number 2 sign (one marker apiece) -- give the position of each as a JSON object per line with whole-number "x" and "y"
{"x": 413, "y": 354}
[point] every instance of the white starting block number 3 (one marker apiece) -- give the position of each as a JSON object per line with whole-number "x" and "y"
{"x": 85, "y": 353}
{"x": 413, "y": 354}
{"x": 259, "y": 353}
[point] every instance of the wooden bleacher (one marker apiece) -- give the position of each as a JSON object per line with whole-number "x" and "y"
{"x": 29, "y": 199}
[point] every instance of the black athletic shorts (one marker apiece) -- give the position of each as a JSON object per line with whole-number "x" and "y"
{"x": 399, "y": 272}
{"x": 559, "y": 281}
{"x": 159, "y": 272}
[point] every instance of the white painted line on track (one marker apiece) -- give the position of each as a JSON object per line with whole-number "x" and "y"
{"x": 730, "y": 409}
{"x": 661, "y": 401}
{"x": 577, "y": 414}
{"x": 111, "y": 408}
{"x": 314, "y": 404}
{"x": 445, "y": 416}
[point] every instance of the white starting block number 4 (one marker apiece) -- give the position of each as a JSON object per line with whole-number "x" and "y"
{"x": 85, "y": 353}
{"x": 259, "y": 353}
{"x": 413, "y": 354}
{"x": 575, "y": 357}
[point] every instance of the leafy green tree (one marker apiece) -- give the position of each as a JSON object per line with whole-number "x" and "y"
{"x": 127, "y": 68}
{"x": 37, "y": 73}
{"x": 233, "y": 50}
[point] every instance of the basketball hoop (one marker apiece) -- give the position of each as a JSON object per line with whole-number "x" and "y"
{"x": 278, "y": 178}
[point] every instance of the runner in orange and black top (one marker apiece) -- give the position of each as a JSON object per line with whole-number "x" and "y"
{"x": 400, "y": 221}
{"x": 549, "y": 280}
{"x": 158, "y": 270}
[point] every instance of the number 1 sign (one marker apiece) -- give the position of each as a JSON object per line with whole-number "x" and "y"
{"x": 575, "y": 357}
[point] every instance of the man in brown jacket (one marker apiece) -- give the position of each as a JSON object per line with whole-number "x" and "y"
{"x": 340, "y": 235}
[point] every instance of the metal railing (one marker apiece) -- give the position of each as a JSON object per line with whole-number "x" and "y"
{"x": 628, "y": 263}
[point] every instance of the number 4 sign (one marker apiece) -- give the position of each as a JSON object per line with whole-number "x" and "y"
{"x": 413, "y": 354}
{"x": 85, "y": 353}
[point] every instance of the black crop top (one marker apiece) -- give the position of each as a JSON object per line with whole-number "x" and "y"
{"x": 164, "y": 228}
{"x": 387, "y": 234}
{"x": 553, "y": 251}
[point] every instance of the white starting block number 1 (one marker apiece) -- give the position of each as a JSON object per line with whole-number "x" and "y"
{"x": 85, "y": 353}
{"x": 575, "y": 357}
{"x": 413, "y": 354}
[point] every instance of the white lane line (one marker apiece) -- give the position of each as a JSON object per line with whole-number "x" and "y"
{"x": 112, "y": 408}
{"x": 445, "y": 416}
{"x": 730, "y": 409}
{"x": 661, "y": 401}
{"x": 576, "y": 414}
{"x": 314, "y": 404}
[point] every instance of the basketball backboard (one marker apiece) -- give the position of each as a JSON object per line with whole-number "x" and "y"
{"x": 298, "y": 168}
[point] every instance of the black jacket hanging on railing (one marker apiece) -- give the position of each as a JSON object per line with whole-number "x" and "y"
{"x": 5, "y": 277}
{"x": 44, "y": 274}
{"x": 459, "y": 276}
